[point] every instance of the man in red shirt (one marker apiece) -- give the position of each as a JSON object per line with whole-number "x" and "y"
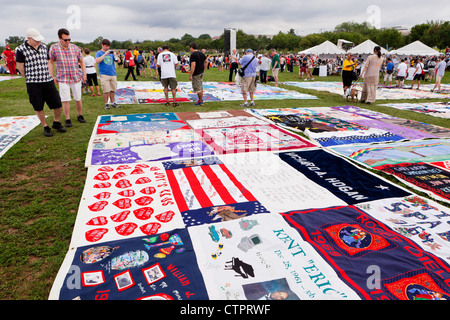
{"x": 10, "y": 58}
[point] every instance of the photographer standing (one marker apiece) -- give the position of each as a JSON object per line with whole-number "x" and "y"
{"x": 105, "y": 59}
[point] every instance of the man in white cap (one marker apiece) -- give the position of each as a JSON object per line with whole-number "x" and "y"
{"x": 33, "y": 63}
{"x": 248, "y": 82}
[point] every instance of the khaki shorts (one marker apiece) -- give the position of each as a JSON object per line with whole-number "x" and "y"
{"x": 438, "y": 79}
{"x": 275, "y": 72}
{"x": 248, "y": 84}
{"x": 169, "y": 82}
{"x": 109, "y": 83}
{"x": 197, "y": 83}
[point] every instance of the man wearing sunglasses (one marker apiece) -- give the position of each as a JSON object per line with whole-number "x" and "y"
{"x": 68, "y": 58}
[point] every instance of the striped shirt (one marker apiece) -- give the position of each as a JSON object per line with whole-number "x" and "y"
{"x": 35, "y": 62}
{"x": 66, "y": 61}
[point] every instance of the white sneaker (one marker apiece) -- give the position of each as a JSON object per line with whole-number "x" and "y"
{"x": 252, "y": 103}
{"x": 245, "y": 104}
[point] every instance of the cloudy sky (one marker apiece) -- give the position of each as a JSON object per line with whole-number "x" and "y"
{"x": 165, "y": 19}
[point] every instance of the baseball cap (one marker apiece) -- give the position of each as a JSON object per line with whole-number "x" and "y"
{"x": 34, "y": 34}
{"x": 249, "y": 50}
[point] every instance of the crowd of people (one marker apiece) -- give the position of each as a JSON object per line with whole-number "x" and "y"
{"x": 391, "y": 67}
{"x": 74, "y": 70}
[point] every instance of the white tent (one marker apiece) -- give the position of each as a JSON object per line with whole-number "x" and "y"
{"x": 366, "y": 48}
{"x": 325, "y": 48}
{"x": 416, "y": 48}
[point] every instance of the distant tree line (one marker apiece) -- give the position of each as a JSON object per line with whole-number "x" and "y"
{"x": 433, "y": 33}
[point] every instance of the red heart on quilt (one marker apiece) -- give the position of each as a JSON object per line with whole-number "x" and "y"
{"x": 97, "y": 221}
{"x": 95, "y": 234}
{"x": 124, "y": 183}
{"x": 143, "y": 180}
{"x": 143, "y": 213}
{"x": 142, "y": 165}
{"x": 102, "y": 185}
{"x": 123, "y": 203}
{"x": 150, "y": 228}
{"x": 106, "y": 168}
{"x": 98, "y": 206}
{"x": 127, "y": 193}
{"x": 126, "y": 229}
{"x": 103, "y": 195}
{"x": 119, "y": 175}
{"x": 144, "y": 201}
{"x": 165, "y": 216}
{"x": 121, "y": 216}
{"x": 102, "y": 176}
{"x": 123, "y": 167}
{"x": 148, "y": 190}
{"x": 137, "y": 171}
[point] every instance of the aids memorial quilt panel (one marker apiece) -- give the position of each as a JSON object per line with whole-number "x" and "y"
{"x": 262, "y": 258}
{"x": 370, "y": 135}
{"x": 278, "y": 186}
{"x": 436, "y": 109}
{"x": 138, "y": 122}
{"x": 432, "y": 150}
{"x": 143, "y": 137}
{"x": 206, "y": 191}
{"x": 331, "y": 126}
{"x": 225, "y": 122}
{"x": 360, "y": 113}
{"x": 338, "y": 176}
{"x": 12, "y": 129}
{"x": 158, "y": 267}
{"x": 422, "y": 176}
{"x": 144, "y": 150}
{"x": 424, "y": 221}
{"x": 252, "y": 138}
{"x": 383, "y": 92}
{"x": 123, "y": 201}
{"x": 6, "y": 78}
{"x": 145, "y": 92}
{"x": 374, "y": 260}
{"x": 431, "y": 129}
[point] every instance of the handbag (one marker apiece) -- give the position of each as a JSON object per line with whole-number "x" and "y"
{"x": 241, "y": 71}
{"x": 131, "y": 63}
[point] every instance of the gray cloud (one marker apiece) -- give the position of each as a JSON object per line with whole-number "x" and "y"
{"x": 165, "y": 19}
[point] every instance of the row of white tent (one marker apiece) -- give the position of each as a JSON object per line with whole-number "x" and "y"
{"x": 327, "y": 48}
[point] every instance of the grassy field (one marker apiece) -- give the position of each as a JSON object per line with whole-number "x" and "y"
{"x": 42, "y": 179}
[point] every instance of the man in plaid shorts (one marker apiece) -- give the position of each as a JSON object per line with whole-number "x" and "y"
{"x": 33, "y": 62}
{"x": 66, "y": 57}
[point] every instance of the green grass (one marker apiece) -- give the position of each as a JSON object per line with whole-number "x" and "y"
{"x": 42, "y": 179}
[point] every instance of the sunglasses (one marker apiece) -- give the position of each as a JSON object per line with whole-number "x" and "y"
{"x": 66, "y": 40}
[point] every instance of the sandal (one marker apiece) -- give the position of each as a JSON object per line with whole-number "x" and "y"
{"x": 167, "y": 103}
{"x": 175, "y": 104}
{"x": 92, "y": 95}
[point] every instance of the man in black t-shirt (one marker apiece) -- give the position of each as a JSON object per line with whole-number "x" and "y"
{"x": 198, "y": 64}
